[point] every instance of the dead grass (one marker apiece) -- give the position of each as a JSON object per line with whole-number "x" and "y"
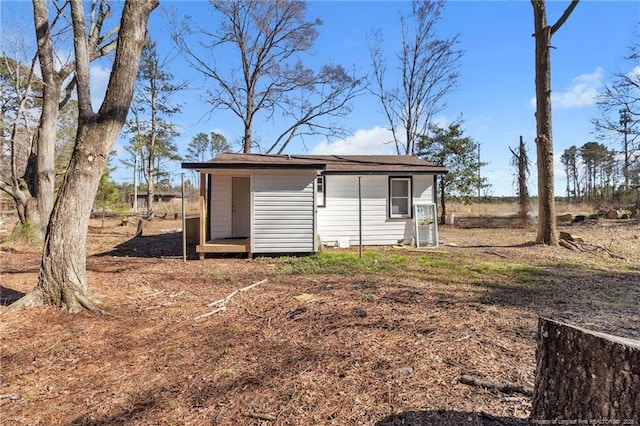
{"x": 381, "y": 342}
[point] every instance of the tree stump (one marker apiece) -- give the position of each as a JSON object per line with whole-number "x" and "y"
{"x": 141, "y": 225}
{"x": 583, "y": 376}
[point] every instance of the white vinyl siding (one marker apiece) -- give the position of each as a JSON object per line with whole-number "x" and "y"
{"x": 283, "y": 212}
{"x": 339, "y": 218}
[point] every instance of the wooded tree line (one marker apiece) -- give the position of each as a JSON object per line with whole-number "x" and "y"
{"x": 596, "y": 173}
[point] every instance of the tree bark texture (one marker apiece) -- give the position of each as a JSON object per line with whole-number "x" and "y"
{"x": 443, "y": 206}
{"x": 523, "y": 191}
{"x": 547, "y": 233}
{"x": 45, "y": 138}
{"x": 583, "y": 375}
{"x": 62, "y": 281}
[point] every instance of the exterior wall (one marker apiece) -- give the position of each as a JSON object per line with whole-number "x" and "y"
{"x": 339, "y": 218}
{"x": 283, "y": 212}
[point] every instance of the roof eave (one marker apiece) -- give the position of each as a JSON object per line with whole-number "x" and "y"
{"x": 385, "y": 172}
{"x": 245, "y": 165}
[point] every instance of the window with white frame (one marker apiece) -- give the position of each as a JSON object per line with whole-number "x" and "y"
{"x": 320, "y": 192}
{"x": 400, "y": 197}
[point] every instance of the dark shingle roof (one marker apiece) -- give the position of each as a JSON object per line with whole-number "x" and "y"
{"x": 328, "y": 163}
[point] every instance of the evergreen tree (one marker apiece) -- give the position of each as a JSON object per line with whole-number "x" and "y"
{"x": 153, "y": 134}
{"x": 449, "y": 147}
{"x": 203, "y": 146}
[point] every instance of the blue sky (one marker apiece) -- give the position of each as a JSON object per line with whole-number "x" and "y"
{"x": 496, "y": 86}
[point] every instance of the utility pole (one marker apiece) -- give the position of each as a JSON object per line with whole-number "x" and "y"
{"x": 479, "y": 178}
{"x": 135, "y": 183}
{"x": 625, "y": 118}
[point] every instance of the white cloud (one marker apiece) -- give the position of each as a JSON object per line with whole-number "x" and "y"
{"x": 441, "y": 121}
{"x": 634, "y": 73}
{"x": 582, "y": 92}
{"x": 364, "y": 142}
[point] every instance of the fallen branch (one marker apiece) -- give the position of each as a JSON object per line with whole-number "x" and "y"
{"x": 496, "y": 254}
{"x": 208, "y": 314}
{"x": 505, "y": 387}
{"x": 577, "y": 244}
{"x": 222, "y": 303}
{"x": 251, "y": 313}
{"x": 11, "y": 396}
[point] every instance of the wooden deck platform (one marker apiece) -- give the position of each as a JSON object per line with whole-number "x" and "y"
{"x": 225, "y": 245}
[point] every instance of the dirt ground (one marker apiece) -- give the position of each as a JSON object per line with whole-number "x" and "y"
{"x": 374, "y": 348}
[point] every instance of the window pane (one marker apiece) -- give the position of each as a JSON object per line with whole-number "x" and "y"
{"x": 399, "y": 188}
{"x": 400, "y": 206}
{"x": 320, "y": 190}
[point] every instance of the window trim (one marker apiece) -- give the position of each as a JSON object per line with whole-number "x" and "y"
{"x": 324, "y": 191}
{"x": 390, "y": 214}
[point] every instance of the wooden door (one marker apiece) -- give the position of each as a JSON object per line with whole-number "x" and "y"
{"x": 240, "y": 207}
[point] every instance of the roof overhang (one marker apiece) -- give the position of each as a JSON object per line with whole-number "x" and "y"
{"x": 385, "y": 172}
{"x": 253, "y": 165}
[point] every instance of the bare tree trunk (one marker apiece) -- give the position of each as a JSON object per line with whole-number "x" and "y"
{"x": 46, "y": 136}
{"x": 151, "y": 171}
{"x": 247, "y": 141}
{"x": 547, "y": 232}
{"x": 523, "y": 191}
{"x": 443, "y": 212}
{"x": 62, "y": 280}
{"x": 582, "y": 374}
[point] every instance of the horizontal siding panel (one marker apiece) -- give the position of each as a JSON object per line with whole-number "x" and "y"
{"x": 284, "y": 198}
{"x": 283, "y": 233}
{"x": 283, "y": 212}
{"x": 278, "y": 216}
{"x": 283, "y": 245}
{"x": 302, "y": 238}
{"x": 267, "y": 207}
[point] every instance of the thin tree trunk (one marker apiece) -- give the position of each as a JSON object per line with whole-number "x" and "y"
{"x": 246, "y": 148}
{"x": 443, "y": 213}
{"x": 523, "y": 191}
{"x": 150, "y": 173}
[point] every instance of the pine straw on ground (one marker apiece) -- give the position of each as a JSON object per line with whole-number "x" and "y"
{"x": 370, "y": 348}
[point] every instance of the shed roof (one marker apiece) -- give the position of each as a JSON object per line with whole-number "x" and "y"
{"x": 328, "y": 163}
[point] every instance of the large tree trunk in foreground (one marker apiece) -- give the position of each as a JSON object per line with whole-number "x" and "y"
{"x": 62, "y": 281}
{"x": 582, "y": 375}
{"x": 547, "y": 232}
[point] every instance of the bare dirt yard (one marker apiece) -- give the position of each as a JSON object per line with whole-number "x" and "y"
{"x": 325, "y": 340}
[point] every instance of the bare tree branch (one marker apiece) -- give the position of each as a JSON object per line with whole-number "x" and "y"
{"x": 270, "y": 79}
{"x": 428, "y": 66}
{"x": 565, "y": 15}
